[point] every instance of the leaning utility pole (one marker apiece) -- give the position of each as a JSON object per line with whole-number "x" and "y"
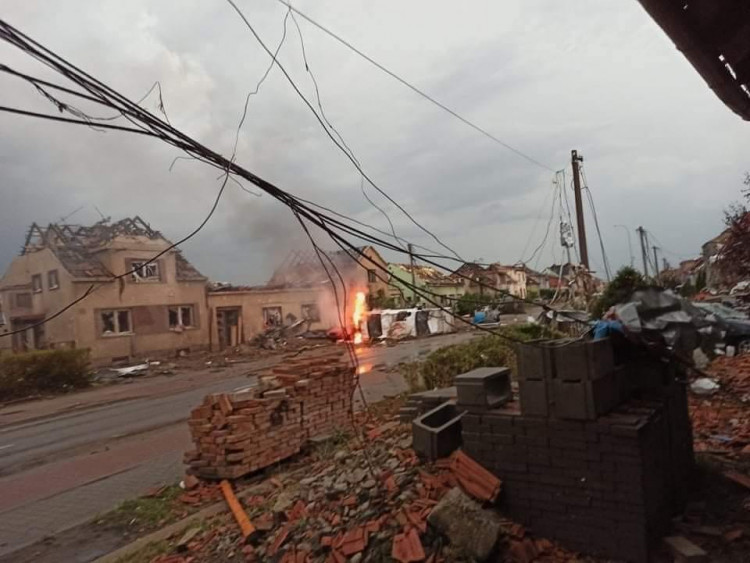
{"x": 575, "y": 159}
{"x": 656, "y": 261}
{"x": 413, "y": 274}
{"x": 644, "y": 253}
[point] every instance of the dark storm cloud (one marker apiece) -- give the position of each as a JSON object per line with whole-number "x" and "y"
{"x": 546, "y": 77}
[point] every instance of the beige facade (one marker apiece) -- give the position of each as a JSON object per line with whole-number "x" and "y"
{"x": 160, "y": 309}
{"x": 494, "y": 278}
{"x": 239, "y": 314}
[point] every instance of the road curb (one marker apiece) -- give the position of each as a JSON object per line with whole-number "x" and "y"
{"x": 162, "y": 534}
{"x": 176, "y": 527}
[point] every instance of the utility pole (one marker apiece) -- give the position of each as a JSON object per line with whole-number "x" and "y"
{"x": 575, "y": 160}
{"x": 413, "y": 274}
{"x": 656, "y": 262}
{"x": 644, "y": 253}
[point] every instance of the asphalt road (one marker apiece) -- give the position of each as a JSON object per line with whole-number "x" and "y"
{"x": 62, "y": 470}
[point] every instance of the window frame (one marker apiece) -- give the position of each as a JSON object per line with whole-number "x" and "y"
{"x": 179, "y": 309}
{"x": 37, "y": 287}
{"x": 27, "y": 296}
{"x": 136, "y": 275}
{"x": 372, "y": 276}
{"x": 308, "y": 306}
{"x": 266, "y": 316}
{"x": 49, "y": 280}
{"x": 116, "y": 323}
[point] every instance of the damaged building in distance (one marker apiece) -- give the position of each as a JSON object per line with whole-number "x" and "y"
{"x": 159, "y": 307}
{"x": 441, "y": 288}
{"x": 299, "y": 289}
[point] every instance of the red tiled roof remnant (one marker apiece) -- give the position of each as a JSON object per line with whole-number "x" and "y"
{"x": 407, "y": 547}
{"x": 475, "y": 479}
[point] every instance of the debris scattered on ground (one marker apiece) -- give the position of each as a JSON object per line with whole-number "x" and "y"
{"x": 472, "y": 530}
{"x": 360, "y": 500}
{"x": 243, "y": 521}
{"x": 720, "y": 421}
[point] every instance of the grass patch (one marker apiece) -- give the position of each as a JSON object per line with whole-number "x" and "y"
{"x": 146, "y": 512}
{"x": 440, "y": 367}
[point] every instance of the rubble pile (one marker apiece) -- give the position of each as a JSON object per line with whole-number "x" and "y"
{"x": 372, "y": 500}
{"x": 239, "y": 433}
{"x": 720, "y": 421}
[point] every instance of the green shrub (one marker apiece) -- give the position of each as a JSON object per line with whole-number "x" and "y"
{"x": 618, "y": 290}
{"x": 547, "y": 293}
{"x": 441, "y": 366}
{"x": 43, "y": 371}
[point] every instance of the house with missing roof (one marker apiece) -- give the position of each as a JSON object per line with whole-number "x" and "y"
{"x": 433, "y": 286}
{"x": 318, "y": 289}
{"x": 158, "y": 307}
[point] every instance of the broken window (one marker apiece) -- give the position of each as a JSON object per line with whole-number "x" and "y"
{"x": 116, "y": 321}
{"x": 272, "y": 316}
{"x": 23, "y": 300}
{"x": 143, "y": 271}
{"x": 52, "y": 280}
{"x": 311, "y": 312}
{"x": 36, "y": 283}
{"x": 181, "y": 317}
{"x": 372, "y": 276}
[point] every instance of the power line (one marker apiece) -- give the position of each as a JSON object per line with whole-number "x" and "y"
{"x": 328, "y": 133}
{"x": 153, "y": 126}
{"x": 417, "y": 90}
{"x": 596, "y": 222}
{"x": 336, "y": 131}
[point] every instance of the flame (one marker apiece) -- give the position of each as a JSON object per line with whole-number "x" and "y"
{"x": 357, "y": 316}
{"x": 364, "y": 368}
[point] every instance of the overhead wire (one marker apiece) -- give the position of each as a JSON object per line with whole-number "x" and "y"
{"x": 169, "y": 134}
{"x": 336, "y": 131}
{"x": 331, "y": 136}
{"x": 417, "y": 90}
{"x": 596, "y": 222}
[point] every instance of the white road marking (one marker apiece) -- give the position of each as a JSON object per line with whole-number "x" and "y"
{"x": 6, "y": 447}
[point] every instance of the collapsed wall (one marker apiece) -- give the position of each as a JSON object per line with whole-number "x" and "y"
{"x": 602, "y": 473}
{"x": 238, "y": 433}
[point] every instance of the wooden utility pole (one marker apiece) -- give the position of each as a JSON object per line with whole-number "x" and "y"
{"x": 575, "y": 160}
{"x": 413, "y": 274}
{"x": 656, "y": 261}
{"x": 642, "y": 238}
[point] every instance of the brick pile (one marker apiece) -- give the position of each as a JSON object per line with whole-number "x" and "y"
{"x": 238, "y": 433}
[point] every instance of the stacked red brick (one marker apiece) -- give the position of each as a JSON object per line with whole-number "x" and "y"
{"x": 238, "y": 433}
{"x": 325, "y": 384}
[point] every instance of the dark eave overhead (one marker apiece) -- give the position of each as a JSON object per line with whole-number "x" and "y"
{"x": 714, "y": 36}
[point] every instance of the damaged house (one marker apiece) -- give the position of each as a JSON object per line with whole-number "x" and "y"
{"x": 159, "y": 308}
{"x": 444, "y": 289}
{"x": 502, "y": 279}
{"x": 300, "y": 289}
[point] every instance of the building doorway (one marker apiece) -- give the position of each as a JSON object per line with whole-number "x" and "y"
{"x": 228, "y": 326}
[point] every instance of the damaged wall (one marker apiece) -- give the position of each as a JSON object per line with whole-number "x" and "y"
{"x": 147, "y": 303}
{"x": 252, "y": 301}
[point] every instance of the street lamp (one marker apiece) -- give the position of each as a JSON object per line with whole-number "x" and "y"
{"x": 630, "y": 245}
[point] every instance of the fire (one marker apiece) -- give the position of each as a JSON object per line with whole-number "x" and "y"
{"x": 357, "y": 316}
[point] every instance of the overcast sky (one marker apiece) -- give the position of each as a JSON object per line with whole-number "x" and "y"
{"x": 544, "y": 76}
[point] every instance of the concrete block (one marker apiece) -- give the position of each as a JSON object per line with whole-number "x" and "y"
{"x": 534, "y": 360}
{"x": 570, "y": 401}
{"x": 484, "y": 387}
{"x": 437, "y": 433}
{"x": 534, "y": 398}
{"x": 583, "y": 360}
